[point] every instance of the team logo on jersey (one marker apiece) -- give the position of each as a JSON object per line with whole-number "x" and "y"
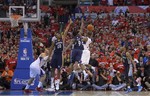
{"x": 25, "y": 51}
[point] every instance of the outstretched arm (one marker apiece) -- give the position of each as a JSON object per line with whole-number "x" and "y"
{"x": 69, "y": 45}
{"x": 67, "y": 28}
{"x": 51, "y": 49}
{"x": 130, "y": 58}
{"x": 81, "y": 28}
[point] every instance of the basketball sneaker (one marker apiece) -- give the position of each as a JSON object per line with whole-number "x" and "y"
{"x": 50, "y": 89}
{"x": 128, "y": 90}
{"x": 39, "y": 89}
{"x": 27, "y": 91}
{"x": 57, "y": 84}
{"x": 140, "y": 88}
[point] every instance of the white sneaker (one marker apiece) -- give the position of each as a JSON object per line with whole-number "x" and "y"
{"x": 85, "y": 76}
{"x": 57, "y": 84}
{"x": 52, "y": 86}
{"x": 50, "y": 89}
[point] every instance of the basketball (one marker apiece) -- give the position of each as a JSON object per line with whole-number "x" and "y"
{"x": 90, "y": 27}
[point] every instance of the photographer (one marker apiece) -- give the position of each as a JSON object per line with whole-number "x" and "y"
{"x": 86, "y": 83}
{"x": 147, "y": 82}
{"x": 64, "y": 80}
{"x": 117, "y": 83}
{"x": 101, "y": 80}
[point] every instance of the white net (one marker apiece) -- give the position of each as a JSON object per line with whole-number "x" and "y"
{"x": 14, "y": 20}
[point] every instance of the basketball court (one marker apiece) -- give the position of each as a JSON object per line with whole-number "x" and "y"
{"x": 76, "y": 93}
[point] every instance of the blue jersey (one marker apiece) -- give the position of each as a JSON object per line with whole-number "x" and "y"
{"x": 78, "y": 44}
{"x": 58, "y": 46}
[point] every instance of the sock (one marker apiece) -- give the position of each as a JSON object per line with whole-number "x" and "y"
{"x": 40, "y": 84}
{"x": 74, "y": 71}
{"x": 57, "y": 81}
{"x": 85, "y": 74}
{"x": 76, "y": 74}
{"x": 129, "y": 87}
{"x": 57, "y": 84}
{"x": 27, "y": 86}
{"x": 52, "y": 82}
{"x": 93, "y": 68}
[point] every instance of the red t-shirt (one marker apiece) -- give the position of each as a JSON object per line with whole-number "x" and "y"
{"x": 148, "y": 9}
{"x": 11, "y": 63}
{"x": 61, "y": 11}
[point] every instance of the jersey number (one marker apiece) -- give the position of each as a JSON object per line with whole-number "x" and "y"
{"x": 58, "y": 46}
{"x": 79, "y": 42}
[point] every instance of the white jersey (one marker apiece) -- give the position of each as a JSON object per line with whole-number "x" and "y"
{"x": 54, "y": 38}
{"x": 35, "y": 67}
{"x": 41, "y": 61}
{"x": 87, "y": 44}
{"x": 85, "y": 58}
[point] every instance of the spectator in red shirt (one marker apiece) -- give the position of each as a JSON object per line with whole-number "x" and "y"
{"x": 12, "y": 62}
{"x": 103, "y": 2}
{"x": 60, "y": 12}
{"x": 148, "y": 9}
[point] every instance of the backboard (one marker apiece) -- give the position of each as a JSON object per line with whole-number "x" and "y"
{"x": 28, "y": 9}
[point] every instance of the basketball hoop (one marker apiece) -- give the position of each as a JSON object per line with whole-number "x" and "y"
{"x": 14, "y": 20}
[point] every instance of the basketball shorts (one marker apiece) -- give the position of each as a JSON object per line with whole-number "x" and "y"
{"x": 85, "y": 58}
{"x": 76, "y": 55}
{"x": 56, "y": 61}
{"x": 36, "y": 71}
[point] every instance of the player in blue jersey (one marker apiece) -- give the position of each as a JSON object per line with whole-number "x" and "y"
{"x": 56, "y": 61}
{"x": 76, "y": 51}
{"x": 77, "y": 45}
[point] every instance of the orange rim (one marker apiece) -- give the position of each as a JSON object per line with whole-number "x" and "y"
{"x": 16, "y": 17}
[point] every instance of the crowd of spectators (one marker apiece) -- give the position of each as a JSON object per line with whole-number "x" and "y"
{"x": 116, "y": 2}
{"x": 111, "y": 33}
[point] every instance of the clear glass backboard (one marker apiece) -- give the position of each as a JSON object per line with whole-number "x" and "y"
{"x": 28, "y": 9}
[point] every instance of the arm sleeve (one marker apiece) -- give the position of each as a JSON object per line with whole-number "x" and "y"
{"x": 53, "y": 39}
{"x": 41, "y": 58}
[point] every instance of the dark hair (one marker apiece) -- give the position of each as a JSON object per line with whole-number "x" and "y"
{"x": 101, "y": 71}
{"x": 89, "y": 33}
{"x": 118, "y": 54}
{"x": 75, "y": 32}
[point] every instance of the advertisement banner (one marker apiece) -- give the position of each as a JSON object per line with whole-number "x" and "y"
{"x": 20, "y": 79}
{"x": 92, "y": 15}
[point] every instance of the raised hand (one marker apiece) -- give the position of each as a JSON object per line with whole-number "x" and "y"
{"x": 70, "y": 21}
{"x": 82, "y": 20}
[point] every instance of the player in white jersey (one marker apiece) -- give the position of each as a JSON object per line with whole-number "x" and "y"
{"x": 85, "y": 58}
{"x": 36, "y": 70}
{"x": 86, "y": 53}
